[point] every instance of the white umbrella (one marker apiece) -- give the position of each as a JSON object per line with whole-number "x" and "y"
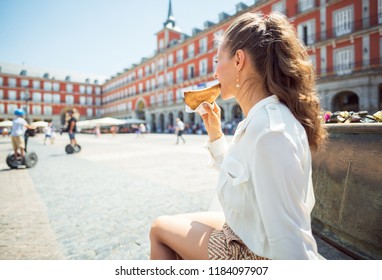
{"x": 85, "y": 124}
{"x": 40, "y": 124}
{"x": 6, "y": 123}
{"x": 108, "y": 121}
{"x": 135, "y": 121}
{"x": 100, "y": 122}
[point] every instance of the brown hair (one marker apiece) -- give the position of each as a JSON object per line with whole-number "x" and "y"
{"x": 283, "y": 64}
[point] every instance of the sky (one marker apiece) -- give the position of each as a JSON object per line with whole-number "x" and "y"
{"x": 100, "y": 37}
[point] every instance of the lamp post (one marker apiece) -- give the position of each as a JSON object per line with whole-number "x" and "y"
{"x": 26, "y": 97}
{"x": 26, "y": 134}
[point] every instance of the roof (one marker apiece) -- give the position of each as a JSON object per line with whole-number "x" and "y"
{"x": 14, "y": 69}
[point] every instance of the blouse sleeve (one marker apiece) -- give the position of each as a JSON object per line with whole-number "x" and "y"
{"x": 280, "y": 188}
{"x": 217, "y": 150}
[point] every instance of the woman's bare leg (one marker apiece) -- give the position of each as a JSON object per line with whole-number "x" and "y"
{"x": 185, "y": 235}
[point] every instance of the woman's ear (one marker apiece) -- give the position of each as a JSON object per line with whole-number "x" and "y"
{"x": 239, "y": 59}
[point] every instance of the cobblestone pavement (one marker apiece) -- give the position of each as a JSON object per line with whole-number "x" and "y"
{"x": 99, "y": 203}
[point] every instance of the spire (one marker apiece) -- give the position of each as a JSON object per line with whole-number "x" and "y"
{"x": 170, "y": 22}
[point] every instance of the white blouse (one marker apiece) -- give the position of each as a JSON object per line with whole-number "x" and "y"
{"x": 265, "y": 185}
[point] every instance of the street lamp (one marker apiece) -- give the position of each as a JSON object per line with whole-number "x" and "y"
{"x": 26, "y": 97}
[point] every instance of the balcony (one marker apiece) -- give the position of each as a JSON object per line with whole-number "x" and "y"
{"x": 358, "y": 67}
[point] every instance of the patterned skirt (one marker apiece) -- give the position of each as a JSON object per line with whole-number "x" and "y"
{"x": 224, "y": 244}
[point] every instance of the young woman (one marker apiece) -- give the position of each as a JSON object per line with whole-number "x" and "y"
{"x": 264, "y": 186}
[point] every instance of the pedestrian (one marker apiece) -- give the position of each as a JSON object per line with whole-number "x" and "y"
{"x": 97, "y": 131}
{"x": 265, "y": 185}
{"x": 19, "y": 127}
{"x": 49, "y": 133}
{"x": 179, "y": 128}
{"x": 142, "y": 129}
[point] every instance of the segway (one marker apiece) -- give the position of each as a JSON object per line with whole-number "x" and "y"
{"x": 70, "y": 149}
{"x": 30, "y": 158}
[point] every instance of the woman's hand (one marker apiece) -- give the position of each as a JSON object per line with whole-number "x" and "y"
{"x": 212, "y": 121}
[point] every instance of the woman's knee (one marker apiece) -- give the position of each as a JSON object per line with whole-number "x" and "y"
{"x": 158, "y": 226}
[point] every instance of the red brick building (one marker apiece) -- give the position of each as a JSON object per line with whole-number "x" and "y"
{"x": 344, "y": 40}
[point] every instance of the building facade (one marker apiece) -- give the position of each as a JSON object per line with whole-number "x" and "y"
{"x": 46, "y": 97}
{"x": 343, "y": 38}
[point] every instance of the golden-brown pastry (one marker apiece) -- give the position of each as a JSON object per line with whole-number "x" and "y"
{"x": 193, "y": 98}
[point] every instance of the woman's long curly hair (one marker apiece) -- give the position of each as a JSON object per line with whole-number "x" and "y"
{"x": 283, "y": 64}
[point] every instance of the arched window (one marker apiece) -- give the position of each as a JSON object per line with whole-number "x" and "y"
{"x": 346, "y": 101}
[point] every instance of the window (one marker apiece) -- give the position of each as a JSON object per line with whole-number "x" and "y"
{"x": 191, "y": 51}
{"x": 69, "y": 99}
{"x": 11, "y": 108}
{"x": 306, "y": 32}
{"x": 170, "y": 78}
{"x": 147, "y": 85}
{"x": 313, "y": 60}
{"x": 179, "y": 96}
{"x": 278, "y": 7}
{"x": 152, "y": 67}
{"x": 36, "y": 97}
{"x": 191, "y": 71}
{"x": 56, "y": 98}
{"x": 24, "y": 83}
{"x": 169, "y": 97}
{"x": 203, "y": 67}
{"x": 179, "y": 56}
{"x": 160, "y": 99}
{"x": 152, "y": 100}
{"x": 140, "y": 73}
{"x": 69, "y": 88}
{"x": 152, "y": 84}
{"x": 47, "y": 86}
{"x": 56, "y": 87}
{"x": 203, "y": 45}
{"x": 48, "y": 98}
{"x": 12, "y": 94}
{"x": 89, "y": 112}
{"x": 11, "y": 82}
{"x": 304, "y": 5}
{"x": 160, "y": 81}
{"x": 82, "y": 100}
{"x": 161, "y": 44}
{"x": 2, "y": 111}
{"x": 89, "y": 89}
{"x": 147, "y": 70}
{"x": 36, "y": 110}
{"x": 379, "y": 11}
{"x": 36, "y": 84}
{"x": 98, "y": 90}
{"x": 343, "y": 21}
{"x": 1, "y": 94}
{"x": 89, "y": 100}
{"x": 170, "y": 60}
{"x": 179, "y": 75}
{"x": 1, "y": 81}
{"x": 140, "y": 88}
{"x": 82, "y": 89}
{"x": 48, "y": 110}
{"x": 98, "y": 101}
{"x": 160, "y": 64}
{"x": 343, "y": 61}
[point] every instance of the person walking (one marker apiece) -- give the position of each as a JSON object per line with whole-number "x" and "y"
{"x": 179, "y": 128}
{"x": 265, "y": 176}
{"x": 49, "y": 133}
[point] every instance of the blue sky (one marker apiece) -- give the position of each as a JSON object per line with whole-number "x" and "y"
{"x": 94, "y": 36}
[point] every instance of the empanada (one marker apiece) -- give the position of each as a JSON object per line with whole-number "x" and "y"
{"x": 193, "y": 98}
